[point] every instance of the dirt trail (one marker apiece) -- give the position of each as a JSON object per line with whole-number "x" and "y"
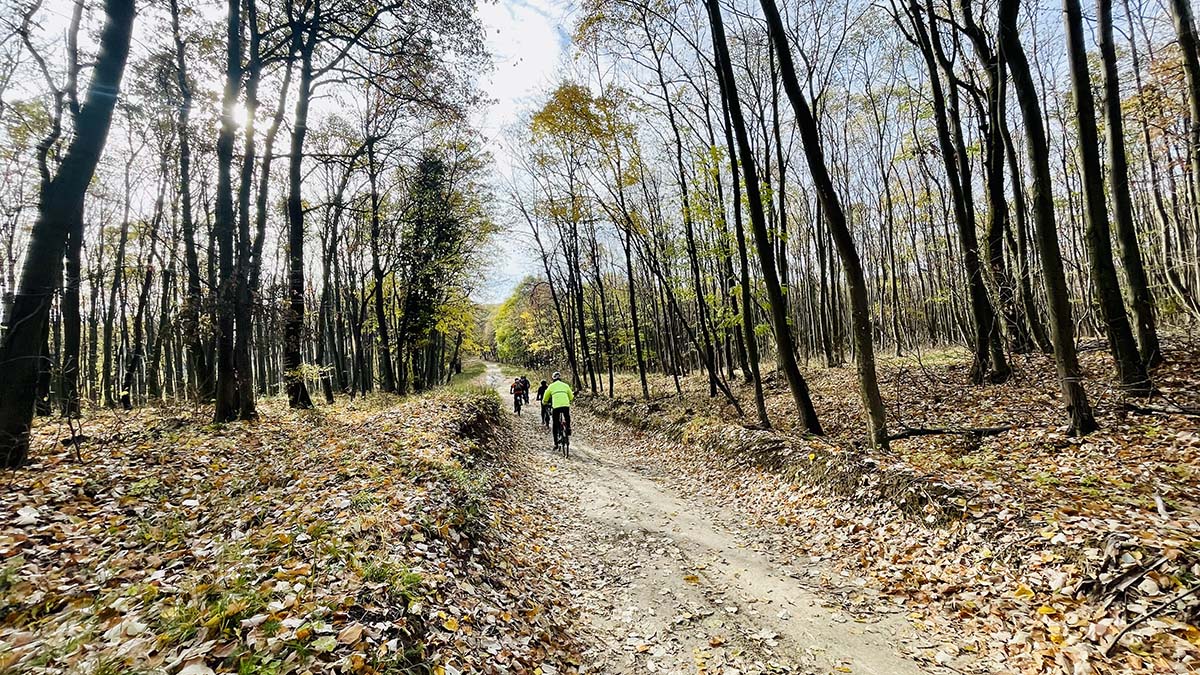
{"x": 671, "y": 584}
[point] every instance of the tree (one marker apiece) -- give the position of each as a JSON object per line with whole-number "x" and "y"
{"x": 1140, "y": 300}
{"x": 1130, "y": 369}
{"x": 60, "y": 208}
{"x": 227, "y": 405}
{"x": 778, "y": 308}
{"x": 1189, "y": 47}
{"x": 835, "y": 219}
{"x": 197, "y": 356}
{"x": 955, "y": 159}
{"x": 1062, "y": 328}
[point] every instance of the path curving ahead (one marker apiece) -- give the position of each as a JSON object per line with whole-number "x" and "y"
{"x": 669, "y": 583}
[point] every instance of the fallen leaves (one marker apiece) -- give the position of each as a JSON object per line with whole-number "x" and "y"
{"x": 320, "y": 541}
{"x": 1060, "y": 543}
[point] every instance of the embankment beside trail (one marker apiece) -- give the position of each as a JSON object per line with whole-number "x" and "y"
{"x": 850, "y": 473}
{"x": 368, "y": 536}
{"x": 1003, "y": 568}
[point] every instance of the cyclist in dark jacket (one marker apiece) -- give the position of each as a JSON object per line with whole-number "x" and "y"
{"x": 518, "y": 393}
{"x": 541, "y": 393}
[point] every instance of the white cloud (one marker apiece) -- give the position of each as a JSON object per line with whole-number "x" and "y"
{"x": 528, "y": 40}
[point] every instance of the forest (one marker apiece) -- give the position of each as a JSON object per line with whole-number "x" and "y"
{"x": 155, "y": 242}
{"x": 874, "y": 311}
{"x": 880, "y": 179}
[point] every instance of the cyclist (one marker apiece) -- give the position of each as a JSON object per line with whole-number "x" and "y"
{"x": 559, "y": 396}
{"x": 545, "y": 408}
{"x": 525, "y": 385}
{"x": 518, "y": 392}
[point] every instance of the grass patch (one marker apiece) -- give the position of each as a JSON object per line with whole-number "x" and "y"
{"x": 400, "y": 582}
{"x": 363, "y": 501}
{"x": 163, "y": 533}
{"x": 8, "y": 574}
{"x": 258, "y": 664}
{"x": 145, "y": 488}
{"x": 470, "y": 372}
{"x": 220, "y": 609}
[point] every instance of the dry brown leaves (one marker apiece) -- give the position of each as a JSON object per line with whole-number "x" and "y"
{"x": 1065, "y": 543}
{"x": 359, "y": 538}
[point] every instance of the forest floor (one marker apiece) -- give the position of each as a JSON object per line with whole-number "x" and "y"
{"x": 369, "y": 536}
{"x": 439, "y": 534}
{"x": 1020, "y": 551}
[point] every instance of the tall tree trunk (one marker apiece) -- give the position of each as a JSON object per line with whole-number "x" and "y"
{"x": 323, "y": 321}
{"x": 1189, "y": 47}
{"x": 60, "y": 206}
{"x": 958, "y": 172}
{"x": 1140, "y": 299}
{"x": 293, "y": 325}
{"x": 1024, "y": 267}
{"x": 137, "y": 349}
{"x": 633, "y": 312}
{"x": 227, "y": 405}
{"x": 133, "y": 358}
{"x": 197, "y": 355}
{"x": 118, "y": 281}
{"x": 244, "y": 295}
{"x": 1062, "y": 326}
{"x": 994, "y": 170}
{"x": 864, "y": 349}
{"x": 762, "y": 239}
{"x": 71, "y": 323}
{"x": 575, "y": 288}
{"x": 97, "y": 279}
{"x": 747, "y": 313}
{"x": 43, "y": 406}
{"x": 161, "y": 343}
{"x": 385, "y": 353}
{"x": 1130, "y": 369}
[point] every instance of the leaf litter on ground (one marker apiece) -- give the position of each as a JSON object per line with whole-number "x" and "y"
{"x": 1057, "y": 544}
{"x": 368, "y": 537}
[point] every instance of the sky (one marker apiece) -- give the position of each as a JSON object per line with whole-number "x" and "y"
{"x": 528, "y": 39}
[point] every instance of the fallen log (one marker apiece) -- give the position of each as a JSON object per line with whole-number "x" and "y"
{"x": 1161, "y": 410}
{"x": 911, "y": 432}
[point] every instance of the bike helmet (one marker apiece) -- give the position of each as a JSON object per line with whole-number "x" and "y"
{"x": 555, "y": 375}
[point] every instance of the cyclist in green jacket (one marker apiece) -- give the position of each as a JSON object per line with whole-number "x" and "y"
{"x": 559, "y": 396}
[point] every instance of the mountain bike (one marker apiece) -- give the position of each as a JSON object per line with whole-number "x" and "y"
{"x": 517, "y": 403}
{"x": 562, "y": 434}
{"x": 563, "y": 443}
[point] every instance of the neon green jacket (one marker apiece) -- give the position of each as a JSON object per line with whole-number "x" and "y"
{"x": 558, "y": 395}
